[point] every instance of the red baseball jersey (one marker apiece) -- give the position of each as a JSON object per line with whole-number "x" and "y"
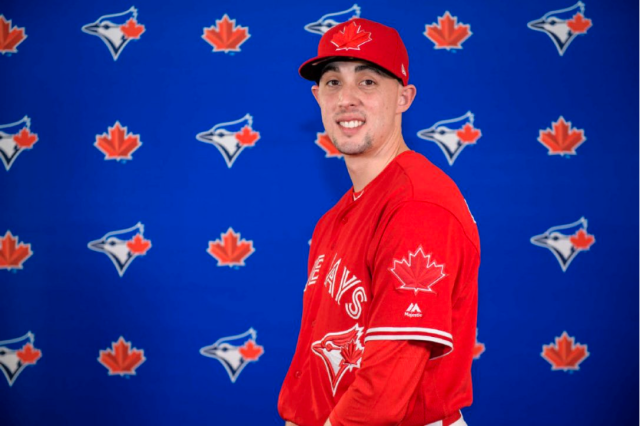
{"x": 397, "y": 261}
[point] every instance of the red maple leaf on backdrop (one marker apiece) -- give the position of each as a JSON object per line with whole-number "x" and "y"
{"x": 118, "y": 144}
{"x": 563, "y": 139}
{"x": 132, "y": 29}
{"x": 12, "y": 254}
{"x": 565, "y": 354}
{"x": 324, "y": 142}
{"x": 582, "y": 240}
{"x": 28, "y": 354}
{"x": 138, "y": 245}
{"x": 251, "y": 351}
{"x": 10, "y": 36}
{"x": 230, "y": 250}
{"x": 417, "y": 272}
{"x": 469, "y": 134}
{"x": 121, "y": 358}
{"x": 351, "y": 37}
{"x": 247, "y": 137}
{"x": 225, "y": 36}
{"x": 478, "y": 348}
{"x": 25, "y": 139}
{"x": 448, "y": 34}
{"x": 579, "y": 24}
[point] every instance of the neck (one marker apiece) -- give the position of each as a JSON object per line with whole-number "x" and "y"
{"x": 363, "y": 168}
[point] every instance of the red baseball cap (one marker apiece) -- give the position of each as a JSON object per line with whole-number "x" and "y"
{"x": 361, "y": 39}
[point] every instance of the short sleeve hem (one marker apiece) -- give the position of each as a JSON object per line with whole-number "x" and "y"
{"x": 442, "y": 338}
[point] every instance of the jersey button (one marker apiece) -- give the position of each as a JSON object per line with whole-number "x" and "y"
{"x": 344, "y": 220}
{"x": 313, "y": 323}
{"x": 298, "y": 374}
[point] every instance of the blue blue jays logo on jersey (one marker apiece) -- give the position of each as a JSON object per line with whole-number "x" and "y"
{"x": 116, "y": 30}
{"x": 122, "y": 246}
{"x": 566, "y": 241}
{"x": 15, "y": 138}
{"x": 231, "y": 138}
{"x": 16, "y": 355}
{"x": 235, "y": 352}
{"x": 563, "y": 26}
{"x": 452, "y": 135}
{"x": 330, "y": 20}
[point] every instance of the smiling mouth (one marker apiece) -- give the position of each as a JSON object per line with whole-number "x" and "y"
{"x": 351, "y": 124}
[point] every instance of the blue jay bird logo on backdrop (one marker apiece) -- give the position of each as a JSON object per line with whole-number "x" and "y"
{"x": 330, "y": 20}
{"x": 563, "y": 26}
{"x": 122, "y": 246}
{"x": 16, "y": 355}
{"x": 116, "y": 30}
{"x": 566, "y": 241}
{"x": 231, "y": 138}
{"x": 15, "y": 138}
{"x": 452, "y": 135}
{"x": 235, "y": 352}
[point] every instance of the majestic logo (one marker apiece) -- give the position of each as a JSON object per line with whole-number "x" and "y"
{"x": 121, "y": 359}
{"x": 562, "y": 26}
{"x": 16, "y": 355}
{"x": 417, "y": 272}
{"x": 565, "y": 354}
{"x": 341, "y": 352}
{"x": 566, "y": 241}
{"x": 12, "y": 252}
{"x": 351, "y": 37}
{"x": 15, "y": 138}
{"x": 235, "y": 352}
{"x": 413, "y": 311}
{"x": 447, "y": 33}
{"x": 116, "y": 30}
{"x": 563, "y": 139}
{"x": 225, "y": 36}
{"x": 118, "y": 144}
{"x": 231, "y": 138}
{"x": 330, "y": 20}
{"x": 123, "y": 246}
{"x": 10, "y": 36}
{"x": 453, "y": 135}
{"x": 478, "y": 348}
{"x": 230, "y": 250}
{"x": 330, "y": 150}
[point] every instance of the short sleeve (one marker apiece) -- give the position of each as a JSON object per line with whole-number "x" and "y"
{"x": 416, "y": 265}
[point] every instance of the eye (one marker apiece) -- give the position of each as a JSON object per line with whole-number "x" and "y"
{"x": 332, "y": 82}
{"x": 368, "y": 82}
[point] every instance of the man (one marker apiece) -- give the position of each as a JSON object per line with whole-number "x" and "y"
{"x": 389, "y": 308}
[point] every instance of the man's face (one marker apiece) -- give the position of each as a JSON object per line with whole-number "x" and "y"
{"x": 361, "y": 108}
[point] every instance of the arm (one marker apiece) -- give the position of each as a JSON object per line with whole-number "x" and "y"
{"x": 385, "y": 384}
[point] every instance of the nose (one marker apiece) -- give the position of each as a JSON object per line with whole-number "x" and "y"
{"x": 348, "y": 96}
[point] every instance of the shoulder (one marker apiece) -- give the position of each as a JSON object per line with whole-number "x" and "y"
{"x": 424, "y": 190}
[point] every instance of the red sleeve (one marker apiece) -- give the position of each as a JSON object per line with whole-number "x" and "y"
{"x": 415, "y": 266}
{"x": 385, "y": 383}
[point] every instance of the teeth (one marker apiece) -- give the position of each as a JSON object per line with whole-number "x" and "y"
{"x": 351, "y": 124}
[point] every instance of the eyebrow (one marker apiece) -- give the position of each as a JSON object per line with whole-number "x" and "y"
{"x": 359, "y": 68}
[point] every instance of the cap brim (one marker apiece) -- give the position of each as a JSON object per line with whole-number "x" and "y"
{"x": 311, "y": 69}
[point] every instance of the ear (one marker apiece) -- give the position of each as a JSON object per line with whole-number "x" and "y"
{"x": 315, "y": 90}
{"x": 406, "y": 95}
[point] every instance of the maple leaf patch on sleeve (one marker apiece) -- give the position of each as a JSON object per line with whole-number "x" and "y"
{"x": 226, "y": 36}
{"x": 417, "y": 272}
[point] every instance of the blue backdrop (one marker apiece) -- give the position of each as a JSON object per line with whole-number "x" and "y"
{"x": 134, "y": 138}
